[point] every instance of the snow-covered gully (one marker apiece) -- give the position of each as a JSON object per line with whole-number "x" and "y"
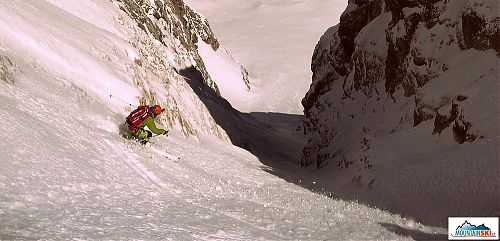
{"x": 402, "y": 112}
{"x": 67, "y": 75}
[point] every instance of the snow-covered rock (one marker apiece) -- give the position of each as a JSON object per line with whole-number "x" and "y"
{"x": 404, "y": 92}
{"x": 192, "y": 43}
{"x": 164, "y": 19}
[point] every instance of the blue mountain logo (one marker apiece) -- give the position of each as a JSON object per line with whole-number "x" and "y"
{"x": 468, "y": 230}
{"x": 468, "y": 226}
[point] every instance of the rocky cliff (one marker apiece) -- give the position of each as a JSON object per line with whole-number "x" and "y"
{"x": 164, "y": 18}
{"x": 181, "y": 30}
{"x": 399, "y": 84}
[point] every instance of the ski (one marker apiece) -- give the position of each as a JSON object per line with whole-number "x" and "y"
{"x": 165, "y": 154}
{"x": 152, "y": 147}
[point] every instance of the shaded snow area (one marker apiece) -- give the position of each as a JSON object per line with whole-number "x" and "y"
{"x": 275, "y": 41}
{"x": 409, "y": 119}
{"x": 66, "y": 172}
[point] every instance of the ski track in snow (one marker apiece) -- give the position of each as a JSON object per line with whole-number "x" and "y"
{"x": 67, "y": 174}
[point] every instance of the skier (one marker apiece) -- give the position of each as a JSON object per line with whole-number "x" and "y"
{"x": 142, "y": 117}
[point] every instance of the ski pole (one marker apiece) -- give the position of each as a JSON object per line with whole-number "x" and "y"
{"x": 166, "y": 134}
{"x": 125, "y": 102}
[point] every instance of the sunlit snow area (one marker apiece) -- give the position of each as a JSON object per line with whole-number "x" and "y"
{"x": 275, "y": 40}
{"x": 66, "y": 173}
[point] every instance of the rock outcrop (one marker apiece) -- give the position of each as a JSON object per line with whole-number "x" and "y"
{"x": 6, "y": 68}
{"x": 165, "y": 18}
{"x": 407, "y": 87}
{"x": 180, "y": 29}
{"x": 382, "y": 55}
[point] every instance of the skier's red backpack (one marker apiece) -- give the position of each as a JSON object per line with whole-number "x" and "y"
{"x": 137, "y": 116}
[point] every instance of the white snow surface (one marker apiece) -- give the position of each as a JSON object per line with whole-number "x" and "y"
{"x": 67, "y": 173}
{"x": 275, "y": 41}
{"x": 61, "y": 35}
{"x": 226, "y": 72}
{"x": 108, "y": 57}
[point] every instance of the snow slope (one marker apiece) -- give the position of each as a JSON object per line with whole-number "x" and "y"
{"x": 275, "y": 41}
{"x": 68, "y": 174}
{"x": 108, "y": 57}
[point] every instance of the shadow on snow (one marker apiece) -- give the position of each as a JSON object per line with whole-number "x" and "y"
{"x": 257, "y": 132}
{"x": 276, "y": 139}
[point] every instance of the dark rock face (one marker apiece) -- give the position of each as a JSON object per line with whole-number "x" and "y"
{"x": 406, "y": 93}
{"x": 388, "y": 51}
{"x": 354, "y": 21}
{"x": 175, "y": 18}
{"x": 479, "y": 32}
{"x": 324, "y": 66}
{"x": 399, "y": 48}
